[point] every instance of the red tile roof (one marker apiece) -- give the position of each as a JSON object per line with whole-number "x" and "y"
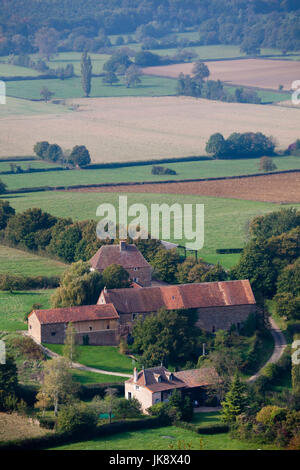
{"x": 183, "y": 379}
{"x": 129, "y": 257}
{"x": 183, "y": 296}
{"x": 149, "y": 378}
{"x": 77, "y": 314}
{"x": 198, "y": 377}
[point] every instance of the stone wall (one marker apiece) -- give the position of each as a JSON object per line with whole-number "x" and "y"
{"x": 222, "y": 318}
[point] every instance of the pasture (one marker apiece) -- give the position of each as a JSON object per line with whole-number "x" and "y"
{"x": 72, "y": 88}
{"x": 142, "y": 128}
{"x": 13, "y": 307}
{"x": 100, "y": 357}
{"x": 164, "y": 438}
{"x": 184, "y": 170}
{"x": 226, "y": 219}
{"x": 16, "y": 107}
{"x": 13, "y": 261}
{"x": 260, "y": 73}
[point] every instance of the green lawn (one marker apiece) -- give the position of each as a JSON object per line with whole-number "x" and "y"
{"x": 19, "y": 262}
{"x": 184, "y": 170}
{"x": 14, "y": 306}
{"x": 225, "y": 219}
{"x": 101, "y": 357}
{"x": 204, "y": 419}
{"x": 162, "y": 438}
{"x": 86, "y": 377}
{"x": 38, "y": 164}
{"x": 72, "y": 88}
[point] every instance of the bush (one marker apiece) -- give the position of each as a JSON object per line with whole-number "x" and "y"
{"x": 76, "y": 418}
{"x": 160, "y": 170}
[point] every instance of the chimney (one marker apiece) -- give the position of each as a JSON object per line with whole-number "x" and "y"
{"x": 135, "y": 375}
{"x": 123, "y": 245}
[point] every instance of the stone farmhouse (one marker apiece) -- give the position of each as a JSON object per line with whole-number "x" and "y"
{"x": 219, "y": 305}
{"x": 155, "y": 385}
{"x": 94, "y": 324}
{"x": 128, "y": 256}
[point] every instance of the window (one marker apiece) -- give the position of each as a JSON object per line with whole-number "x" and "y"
{"x": 90, "y": 328}
{"x": 135, "y": 279}
{"x": 135, "y": 269}
{"x": 129, "y": 395}
{"x": 30, "y": 327}
{"x": 213, "y": 329}
{"x": 107, "y": 327}
{"x": 53, "y": 333}
{"x": 137, "y": 387}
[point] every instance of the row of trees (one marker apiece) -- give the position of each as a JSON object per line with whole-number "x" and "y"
{"x": 240, "y": 145}
{"x": 78, "y": 156}
{"x": 198, "y": 86}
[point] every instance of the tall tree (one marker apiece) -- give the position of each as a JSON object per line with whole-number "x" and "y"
{"x": 70, "y": 350}
{"x": 235, "y": 401}
{"x": 86, "y": 73}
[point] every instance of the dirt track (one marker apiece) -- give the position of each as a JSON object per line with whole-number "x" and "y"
{"x": 279, "y": 188}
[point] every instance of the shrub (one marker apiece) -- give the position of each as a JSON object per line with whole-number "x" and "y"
{"x": 160, "y": 170}
{"x": 76, "y": 418}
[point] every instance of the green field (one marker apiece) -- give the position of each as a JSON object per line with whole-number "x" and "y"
{"x": 184, "y": 170}
{"x": 100, "y": 357}
{"x": 15, "y": 106}
{"x": 72, "y": 88}
{"x": 36, "y": 164}
{"x": 162, "y": 438}
{"x": 85, "y": 377}
{"x": 9, "y": 70}
{"x": 14, "y": 306}
{"x": 225, "y": 219}
{"x": 19, "y": 262}
{"x": 265, "y": 95}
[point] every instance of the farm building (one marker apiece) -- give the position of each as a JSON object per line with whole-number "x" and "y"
{"x": 219, "y": 305}
{"x": 128, "y": 256}
{"x": 155, "y": 385}
{"x": 94, "y": 324}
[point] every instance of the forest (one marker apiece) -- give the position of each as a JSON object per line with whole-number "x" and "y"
{"x": 251, "y": 24}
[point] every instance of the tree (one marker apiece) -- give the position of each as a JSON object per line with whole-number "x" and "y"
{"x": 70, "y": 349}
{"x": 165, "y": 264}
{"x": 235, "y": 401}
{"x": 41, "y": 149}
{"x": 54, "y": 153}
{"x": 58, "y": 386}
{"x": 200, "y": 71}
{"x": 267, "y": 164}
{"x": 275, "y": 223}
{"x": 132, "y": 76}
{"x": 216, "y": 145}
{"x": 77, "y": 418}
{"x": 110, "y": 77}
{"x": 8, "y": 380}
{"x": 2, "y": 187}
{"x": 46, "y": 40}
{"x": 46, "y": 94}
{"x": 6, "y": 212}
{"x": 287, "y": 306}
{"x": 147, "y": 59}
{"x": 86, "y": 73}
{"x": 168, "y": 336}
{"x": 110, "y": 401}
{"x": 80, "y": 156}
{"x": 115, "y": 277}
{"x": 79, "y": 286}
